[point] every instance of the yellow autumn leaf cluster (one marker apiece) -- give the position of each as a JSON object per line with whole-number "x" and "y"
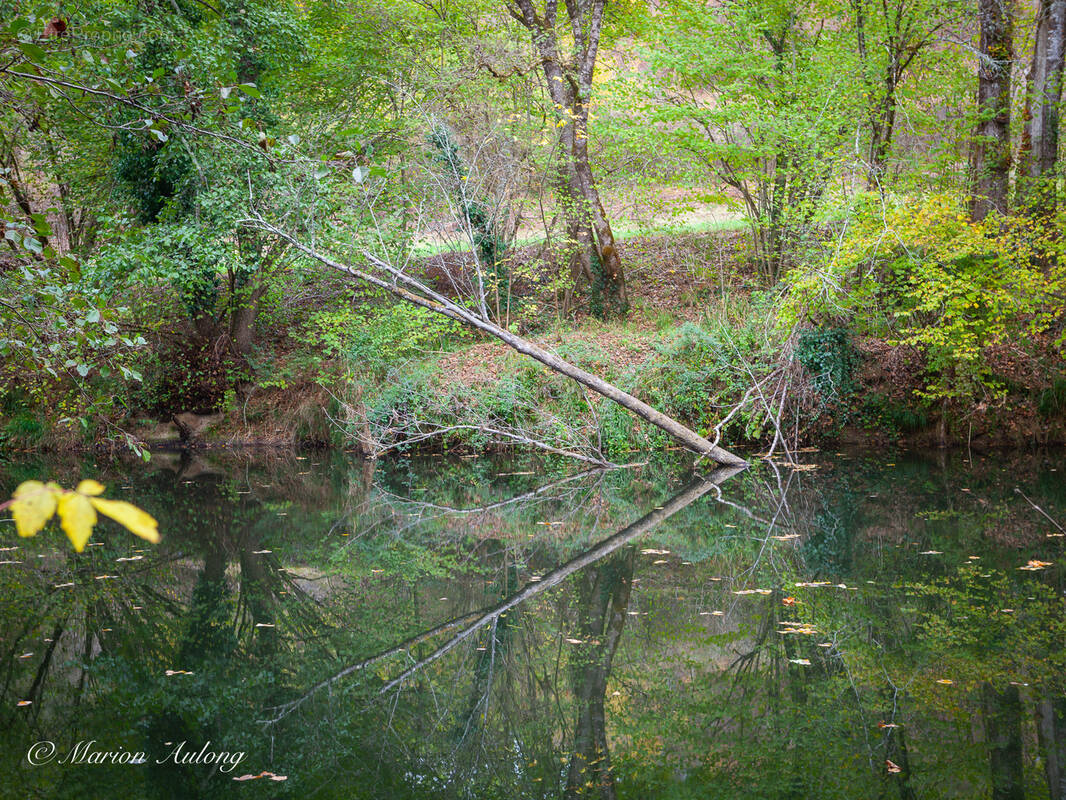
{"x": 34, "y": 503}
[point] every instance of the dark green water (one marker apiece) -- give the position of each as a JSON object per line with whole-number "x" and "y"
{"x": 511, "y": 629}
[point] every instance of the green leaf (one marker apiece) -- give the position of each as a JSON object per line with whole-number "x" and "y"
{"x": 33, "y": 52}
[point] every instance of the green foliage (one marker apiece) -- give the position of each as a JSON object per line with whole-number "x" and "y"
{"x": 374, "y": 337}
{"x": 830, "y": 360}
{"x": 763, "y": 110}
{"x": 925, "y": 276}
{"x": 1052, "y": 400}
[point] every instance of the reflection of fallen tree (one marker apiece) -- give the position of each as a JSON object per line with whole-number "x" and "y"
{"x": 540, "y": 493}
{"x": 477, "y": 620}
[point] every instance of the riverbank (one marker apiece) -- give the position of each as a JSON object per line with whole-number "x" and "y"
{"x": 700, "y": 333}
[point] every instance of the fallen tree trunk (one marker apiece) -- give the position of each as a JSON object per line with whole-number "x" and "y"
{"x": 414, "y": 291}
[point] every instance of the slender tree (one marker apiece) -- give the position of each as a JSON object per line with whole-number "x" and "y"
{"x": 992, "y": 150}
{"x": 1040, "y": 138}
{"x": 889, "y": 37}
{"x": 569, "y": 82}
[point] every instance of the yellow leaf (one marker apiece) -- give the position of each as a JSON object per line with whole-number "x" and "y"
{"x": 140, "y": 523}
{"x": 78, "y": 517}
{"x": 90, "y": 487}
{"x": 34, "y": 505}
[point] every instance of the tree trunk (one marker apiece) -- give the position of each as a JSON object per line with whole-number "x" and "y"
{"x": 1002, "y": 712}
{"x": 1040, "y": 139}
{"x": 608, "y": 280}
{"x": 1051, "y": 731}
{"x": 569, "y": 84}
{"x": 882, "y": 129}
{"x": 242, "y": 317}
{"x": 603, "y": 603}
{"x": 992, "y": 151}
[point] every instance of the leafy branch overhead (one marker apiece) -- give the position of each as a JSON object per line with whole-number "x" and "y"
{"x": 34, "y": 503}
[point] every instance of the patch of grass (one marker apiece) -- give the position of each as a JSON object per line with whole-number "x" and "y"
{"x": 1052, "y": 400}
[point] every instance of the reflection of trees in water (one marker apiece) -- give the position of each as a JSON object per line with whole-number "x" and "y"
{"x": 601, "y": 604}
{"x": 493, "y": 702}
{"x": 493, "y": 682}
{"x": 209, "y": 601}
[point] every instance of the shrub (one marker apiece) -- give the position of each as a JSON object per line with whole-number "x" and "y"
{"x": 830, "y": 360}
{"x": 924, "y": 275}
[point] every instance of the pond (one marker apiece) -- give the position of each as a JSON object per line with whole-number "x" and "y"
{"x": 858, "y": 625}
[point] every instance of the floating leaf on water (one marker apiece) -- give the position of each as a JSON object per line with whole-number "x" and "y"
{"x": 659, "y": 561}
{"x": 574, "y": 641}
{"x": 171, "y": 672}
{"x": 264, "y": 625}
{"x": 261, "y": 552}
{"x": 931, "y": 553}
{"x": 795, "y": 628}
{"x": 945, "y": 681}
{"x": 129, "y": 558}
{"x": 788, "y": 601}
{"x": 653, "y": 552}
{"x": 1035, "y": 564}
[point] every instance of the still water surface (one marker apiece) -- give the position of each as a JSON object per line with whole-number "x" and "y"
{"x": 864, "y": 626}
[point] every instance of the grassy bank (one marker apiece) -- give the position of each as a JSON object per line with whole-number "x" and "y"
{"x": 355, "y": 370}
